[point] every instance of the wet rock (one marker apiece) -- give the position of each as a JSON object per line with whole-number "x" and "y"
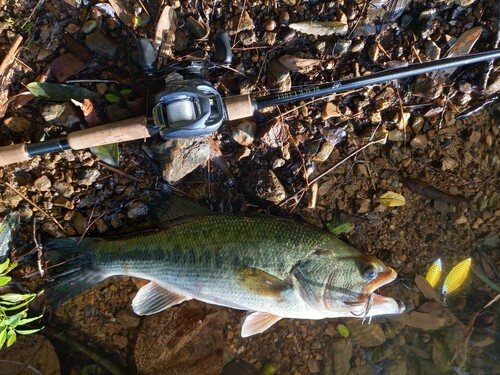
{"x": 18, "y": 124}
{"x": 278, "y": 76}
{"x": 89, "y": 176}
{"x": 101, "y": 44}
{"x": 426, "y": 87}
{"x": 244, "y": 133}
{"x": 264, "y": 185}
{"x": 137, "y": 209}
{"x": 198, "y": 29}
{"x": 180, "y": 157}
{"x": 190, "y": 342}
{"x": 337, "y": 359}
{"x": 62, "y": 114}
{"x": 42, "y": 183}
{"x": 419, "y": 142}
{"x": 241, "y": 22}
{"x": 366, "y": 335}
{"x": 30, "y": 352}
{"x": 64, "y": 188}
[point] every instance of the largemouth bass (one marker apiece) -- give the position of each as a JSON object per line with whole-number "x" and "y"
{"x": 272, "y": 267}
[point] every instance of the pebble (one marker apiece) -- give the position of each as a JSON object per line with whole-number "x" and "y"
{"x": 417, "y": 124}
{"x": 324, "y": 152}
{"x": 278, "y": 76}
{"x": 42, "y": 183}
{"x": 341, "y": 47}
{"x": 80, "y": 222}
{"x": 373, "y": 52}
{"x": 62, "y": 114}
{"x": 313, "y": 366}
{"x": 419, "y": 142}
{"x": 426, "y": 87}
{"x": 99, "y": 43}
{"x": 284, "y": 18}
{"x": 357, "y": 46}
{"x": 242, "y": 153}
{"x": 264, "y": 184}
{"x": 89, "y": 176}
{"x": 247, "y": 37}
{"x": 64, "y": 188}
{"x": 61, "y": 201}
{"x": 18, "y": 124}
{"x": 269, "y": 38}
{"x": 366, "y": 335}
{"x": 431, "y": 50}
{"x": 269, "y": 25}
{"x": 137, "y": 209}
{"x": 241, "y": 22}
{"x": 198, "y": 29}
{"x": 475, "y": 136}
{"x": 330, "y": 110}
{"x": 338, "y": 353}
{"x": 277, "y": 163}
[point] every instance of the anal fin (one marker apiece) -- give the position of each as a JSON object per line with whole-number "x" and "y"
{"x": 258, "y": 322}
{"x": 152, "y": 298}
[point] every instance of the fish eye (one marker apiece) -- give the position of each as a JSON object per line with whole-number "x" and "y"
{"x": 368, "y": 272}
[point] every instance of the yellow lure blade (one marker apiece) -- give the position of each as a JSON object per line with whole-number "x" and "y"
{"x": 434, "y": 272}
{"x": 457, "y": 276}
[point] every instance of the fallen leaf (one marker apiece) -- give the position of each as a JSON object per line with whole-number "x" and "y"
{"x": 426, "y": 289}
{"x": 297, "y": 64}
{"x": 24, "y": 99}
{"x": 428, "y": 191}
{"x": 320, "y": 28}
{"x": 58, "y": 91}
{"x": 65, "y": 66}
{"x": 109, "y": 154}
{"x": 391, "y": 199}
{"x": 462, "y": 46}
{"x": 423, "y": 321}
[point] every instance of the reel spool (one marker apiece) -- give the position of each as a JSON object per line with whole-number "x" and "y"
{"x": 188, "y": 108}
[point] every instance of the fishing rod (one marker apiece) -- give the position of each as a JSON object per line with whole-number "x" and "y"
{"x": 191, "y": 107}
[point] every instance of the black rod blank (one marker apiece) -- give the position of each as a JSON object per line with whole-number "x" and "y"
{"x": 372, "y": 79}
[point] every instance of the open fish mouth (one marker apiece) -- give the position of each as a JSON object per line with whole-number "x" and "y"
{"x": 381, "y": 280}
{"x": 382, "y": 305}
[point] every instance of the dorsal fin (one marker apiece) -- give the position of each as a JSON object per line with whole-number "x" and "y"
{"x": 174, "y": 207}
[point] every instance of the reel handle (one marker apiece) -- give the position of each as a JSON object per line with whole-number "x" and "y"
{"x": 120, "y": 131}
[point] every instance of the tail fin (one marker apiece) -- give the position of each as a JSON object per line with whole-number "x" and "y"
{"x": 72, "y": 268}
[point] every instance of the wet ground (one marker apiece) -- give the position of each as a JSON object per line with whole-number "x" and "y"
{"x": 446, "y": 169}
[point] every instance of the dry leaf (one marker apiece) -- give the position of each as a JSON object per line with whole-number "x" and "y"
{"x": 391, "y": 199}
{"x": 426, "y": 289}
{"x": 297, "y": 64}
{"x": 423, "y": 321}
{"x": 65, "y": 66}
{"x": 462, "y": 46}
{"x": 320, "y": 28}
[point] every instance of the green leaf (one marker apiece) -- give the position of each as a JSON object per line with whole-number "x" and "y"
{"x": 59, "y": 91}
{"x": 15, "y": 297}
{"x": 343, "y": 330}
{"x": 89, "y": 26}
{"x": 3, "y": 337}
{"x": 4, "y": 265}
{"x": 28, "y": 331}
{"x": 113, "y": 98}
{"x": 391, "y": 199}
{"x": 4, "y": 280}
{"x": 11, "y": 337}
{"x": 109, "y": 154}
{"x": 29, "y": 320}
{"x": 125, "y": 92}
{"x": 341, "y": 228}
{"x": 14, "y": 320}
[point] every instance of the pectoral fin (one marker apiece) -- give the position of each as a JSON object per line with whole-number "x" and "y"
{"x": 152, "y": 298}
{"x": 258, "y": 322}
{"x": 261, "y": 282}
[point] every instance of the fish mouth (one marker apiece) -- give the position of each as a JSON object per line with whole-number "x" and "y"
{"x": 381, "y": 305}
{"x": 382, "y": 279}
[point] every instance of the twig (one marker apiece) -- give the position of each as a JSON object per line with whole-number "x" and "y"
{"x": 301, "y": 192}
{"x": 84, "y": 349}
{"x": 11, "y": 55}
{"x": 116, "y": 170}
{"x": 38, "y": 249}
{"x": 36, "y": 206}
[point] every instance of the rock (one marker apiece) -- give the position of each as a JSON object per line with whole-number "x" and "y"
{"x": 269, "y": 25}
{"x": 395, "y": 136}
{"x": 330, "y": 110}
{"x": 62, "y": 114}
{"x": 244, "y": 133}
{"x": 190, "y": 342}
{"x": 419, "y": 142}
{"x": 61, "y": 201}
{"x": 18, "y": 124}
{"x": 247, "y": 37}
{"x": 396, "y": 368}
{"x": 363, "y": 205}
{"x": 101, "y": 44}
{"x": 273, "y": 133}
{"x": 417, "y": 124}
{"x": 324, "y": 152}
{"x": 181, "y": 40}
{"x": 127, "y": 319}
{"x": 338, "y": 355}
{"x": 313, "y": 366}
{"x": 242, "y": 153}
{"x": 179, "y": 157}
{"x": 89, "y": 176}
{"x": 366, "y": 335}
{"x": 277, "y": 163}
{"x": 269, "y": 38}
{"x": 431, "y": 50}
{"x": 241, "y": 22}
{"x": 137, "y": 209}
{"x": 80, "y": 222}
{"x": 64, "y": 188}
{"x": 198, "y": 29}
{"x": 375, "y": 117}
{"x": 365, "y": 369}
{"x": 475, "y": 136}
{"x": 341, "y": 47}
{"x": 42, "y": 183}
{"x": 278, "y": 76}
{"x": 30, "y": 352}
{"x": 426, "y": 87}
{"x": 264, "y": 185}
